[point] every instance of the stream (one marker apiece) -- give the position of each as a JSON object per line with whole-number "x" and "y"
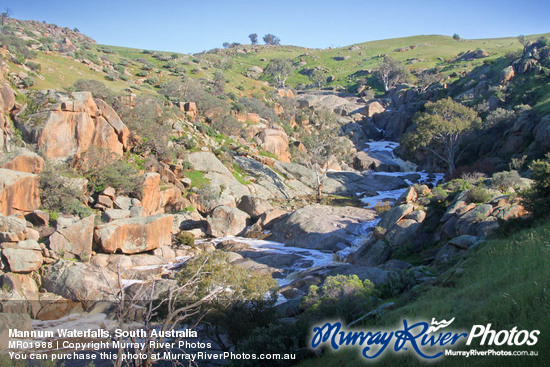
{"x": 301, "y": 258}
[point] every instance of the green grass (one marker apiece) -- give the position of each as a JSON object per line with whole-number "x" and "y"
{"x": 433, "y": 47}
{"x": 239, "y": 174}
{"x": 59, "y": 71}
{"x": 506, "y": 282}
{"x": 197, "y": 179}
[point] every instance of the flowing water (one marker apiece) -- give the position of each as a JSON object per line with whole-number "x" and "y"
{"x": 304, "y": 258}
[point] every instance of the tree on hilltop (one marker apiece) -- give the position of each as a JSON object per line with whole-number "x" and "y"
{"x": 456, "y": 37}
{"x": 5, "y": 15}
{"x": 253, "y": 38}
{"x": 441, "y": 129}
{"x": 279, "y": 69}
{"x": 391, "y": 73}
{"x": 271, "y": 39}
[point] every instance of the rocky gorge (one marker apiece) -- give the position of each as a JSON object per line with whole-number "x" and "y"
{"x": 110, "y": 196}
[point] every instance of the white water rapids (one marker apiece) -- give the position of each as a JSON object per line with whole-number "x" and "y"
{"x": 306, "y": 258}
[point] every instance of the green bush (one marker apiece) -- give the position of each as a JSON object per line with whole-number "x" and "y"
{"x": 187, "y": 166}
{"x": 537, "y": 198}
{"x": 98, "y": 89}
{"x": 397, "y": 283}
{"x": 58, "y": 195}
{"x": 102, "y": 171}
{"x": 227, "y": 125}
{"x": 341, "y": 296}
{"x": 244, "y": 298}
{"x": 478, "y": 195}
{"x": 186, "y": 239}
{"x": 206, "y": 129}
{"x": 152, "y": 80}
{"x": 33, "y": 65}
{"x": 505, "y": 180}
{"x": 275, "y": 338}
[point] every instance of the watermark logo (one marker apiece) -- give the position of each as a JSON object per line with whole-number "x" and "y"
{"x": 425, "y": 340}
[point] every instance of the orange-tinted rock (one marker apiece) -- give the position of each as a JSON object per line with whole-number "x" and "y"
{"x": 23, "y": 160}
{"x": 6, "y": 132}
{"x": 151, "y": 199}
{"x": 372, "y": 109}
{"x": 135, "y": 235}
{"x": 247, "y": 116}
{"x": 191, "y": 109}
{"x": 74, "y": 240}
{"x": 274, "y": 141}
{"x": 7, "y": 99}
{"x": 18, "y": 192}
{"x": 286, "y": 93}
{"x": 73, "y": 125}
{"x": 278, "y": 109}
{"x": 172, "y": 200}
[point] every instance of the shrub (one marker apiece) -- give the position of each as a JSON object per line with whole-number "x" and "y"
{"x": 149, "y": 119}
{"x": 152, "y": 80}
{"x": 28, "y": 82}
{"x": 478, "y": 195}
{"x": 397, "y": 283}
{"x": 186, "y": 239}
{"x": 206, "y": 129}
{"x": 382, "y": 207}
{"x": 34, "y": 65}
{"x": 187, "y": 166}
{"x": 227, "y": 125}
{"x": 102, "y": 171}
{"x": 505, "y": 180}
{"x": 240, "y": 303}
{"x": 119, "y": 68}
{"x": 340, "y": 296}
{"x": 274, "y": 338}
{"x": 254, "y": 105}
{"x": 98, "y": 89}
{"x": 58, "y": 195}
{"x": 538, "y": 197}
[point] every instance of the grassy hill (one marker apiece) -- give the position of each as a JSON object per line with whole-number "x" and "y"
{"x": 122, "y": 67}
{"x": 504, "y": 282}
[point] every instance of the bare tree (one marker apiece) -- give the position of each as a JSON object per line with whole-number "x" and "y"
{"x": 174, "y": 313}
{"x": 426, "y": 80}
{"x": 5, "y": 15}
{"x": 391, "y": 73}
{"x": 280, "y": 70}
{"x": 322, "y": 143}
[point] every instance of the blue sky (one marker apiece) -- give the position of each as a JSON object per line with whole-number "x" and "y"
{"x": 195, "y": 26}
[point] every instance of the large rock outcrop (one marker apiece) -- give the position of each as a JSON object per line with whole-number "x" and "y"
{"x": 22, "y": 160}
{"x": 80, "y": 282}
{"x": 7, "y": 102}
{"x": 274, "y": 141}
{"x": 322, "y": 227}
{"x": 75, "y": 239}
{"x": 135, "y": 235}
{"x": 18, "y": 192}
{"x": 157, "y": 199}
{"x": 226, "y": 221}
{"x": 68, "y": 125}
{"x": 23, "y": 257}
